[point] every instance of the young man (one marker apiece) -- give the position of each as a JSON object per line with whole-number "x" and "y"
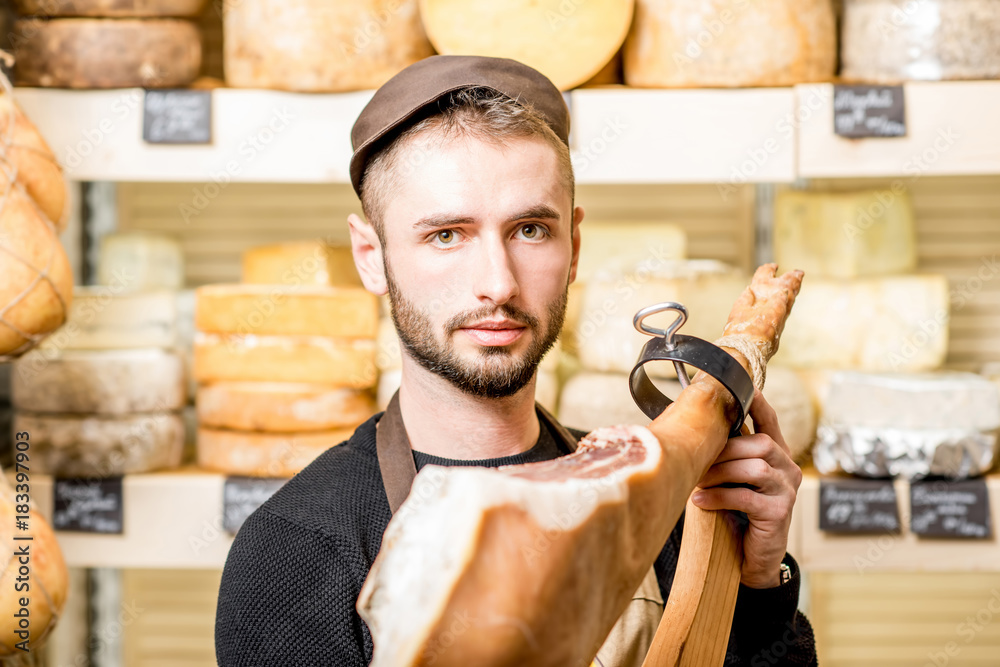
{"x": 462, "y": 166}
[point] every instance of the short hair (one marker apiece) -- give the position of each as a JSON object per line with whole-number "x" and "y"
{"x": 474, "y": 111}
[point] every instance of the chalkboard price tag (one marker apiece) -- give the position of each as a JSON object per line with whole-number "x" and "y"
{"x": 241, "y": 496}
{"x": 858, "y": 506}
{"x": 951, "y": 509}
{"x": 88, "y": 505}
{"x": 177, "y": 117}
{"x": 861, "y": 112}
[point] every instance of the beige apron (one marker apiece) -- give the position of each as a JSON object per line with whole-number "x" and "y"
{"x": 629, "y": 640}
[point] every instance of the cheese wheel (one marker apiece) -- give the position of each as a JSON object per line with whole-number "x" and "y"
{"x": 592, "y": 400}
{"x": 30, "y": 160}
{"x": 567, "y": 41}
{"x": 343, "y": 312}
{"x": 310, "y": 359}
{"x": 885, "y": 41}
{"x": 110, "y": 8}
{"x": 627, "y": 245}
{"x": 141, "y": 261}
{"x": 31, "y": 305}
{"x": 320, "y": 46}
{"x": 185, "y": 336}
{"x": 845, "y": 234}
{"x": 107, "y": 382}
{"x": 106, "y": 53}
{"x": 263, "y": 454}
{"x": 110, "y": 317}
{"x": 300, "y": 263}
{"x": 47, "y": 579}
{"x": 605, "y": 337}
{"x": 282, "y": 407}
{"x": 785, "y": 391}
{"x": 729, "y": 43}
{"x": 99, "y": 446}
{"x": 892, "y": 324}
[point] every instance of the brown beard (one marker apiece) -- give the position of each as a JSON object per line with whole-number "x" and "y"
{"x": 497, "y": 373}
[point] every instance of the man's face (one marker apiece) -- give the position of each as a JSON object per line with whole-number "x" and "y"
{"x": 478, "y": 253}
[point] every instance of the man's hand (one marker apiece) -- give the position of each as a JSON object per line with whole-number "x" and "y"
{"x": 763, "y": 461}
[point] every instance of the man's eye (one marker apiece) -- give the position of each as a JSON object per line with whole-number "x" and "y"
{"x": 446, "y": 236}
{"x": 532, "y": 232}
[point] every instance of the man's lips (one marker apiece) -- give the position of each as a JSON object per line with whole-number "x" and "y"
{"x": 494, "y": 333}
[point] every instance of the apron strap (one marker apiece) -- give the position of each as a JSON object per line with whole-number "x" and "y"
{"x": 395, "y": 456}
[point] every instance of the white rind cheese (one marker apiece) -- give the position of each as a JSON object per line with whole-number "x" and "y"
{"x": 92, "y": 446}
{"x": 282, "y": 407}
{"x": 845, "y": 234}
{"x": 789, "y": 396}
{"x": 104, "y": 318}
{"x": 625, "y": 245}
{"x": 263, "y": 454}
{"x": 592, "y": 400}
{"x": 107, "y": 382}
{"x": 312, "y": 359}
{"x": 141, "y": 261}
{"x": 896, "y": 324}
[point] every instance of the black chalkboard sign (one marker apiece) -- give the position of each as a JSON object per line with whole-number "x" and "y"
{"x": 861, "y": 112}
{"x": 88, "y": 505}
{"x": 951, "y": 509}
{"x": 242, "y": 495}
{"x": 858, "y": 506}
{"x": 177, "y": 117}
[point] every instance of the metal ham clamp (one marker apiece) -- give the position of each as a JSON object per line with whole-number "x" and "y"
{"x": 698, "y": 617}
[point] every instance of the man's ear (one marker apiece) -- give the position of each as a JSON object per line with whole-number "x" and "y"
{"x": 577, "y": 219}
{"x": 368, "y": 257}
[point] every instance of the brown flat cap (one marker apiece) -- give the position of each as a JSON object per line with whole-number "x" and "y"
{"x": 401, "y": 99}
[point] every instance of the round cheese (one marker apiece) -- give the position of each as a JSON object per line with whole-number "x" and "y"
{"x": 141, "y": 261}
{"x": 100, "y": 446}
{"x": 110, "y": 8}
{"x": 300, "y": 263}
{"x": 886, "y": 41}
{"x": 310, "y": 359}
{"x": 263, "y": 454}
{"x": 29, "y": 158}
{"x": 106, "y": 53}
{"x": 726, "y": 43}
{"x": 593, "y": 400}
{"x": 282, "y": 407}
{"x": 344, "y": 312}
{"x": 320, "y": 46}
{"x": 110, "y": 317}
{"x": 785, "y": 391}
{"x": 568, "y": 41}
{"x": 36, "y": 280}
{"x": 106, "y": 382}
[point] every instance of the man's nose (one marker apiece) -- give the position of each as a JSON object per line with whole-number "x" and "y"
{"x": 493, "y": 275}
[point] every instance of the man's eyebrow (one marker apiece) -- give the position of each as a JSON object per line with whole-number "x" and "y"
{"x": 537, "y": 212}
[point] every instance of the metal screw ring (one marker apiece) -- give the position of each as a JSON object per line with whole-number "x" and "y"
{"x": 668, "y": 333}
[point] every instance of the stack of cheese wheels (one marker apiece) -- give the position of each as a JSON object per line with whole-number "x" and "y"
{"x": 102, "y": 396}
{"x": 320, "y": 46}
{"x": 388, "y": 360}
{"x": 568, "y": 41}
{"x": 727, "y": 43}
{"x": 283, "y": 373}
{"x": 102, "y": 44}
{"x": 36, "y": 287}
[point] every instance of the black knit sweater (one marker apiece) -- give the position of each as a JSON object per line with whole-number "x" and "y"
{"x": 297, "y": 565}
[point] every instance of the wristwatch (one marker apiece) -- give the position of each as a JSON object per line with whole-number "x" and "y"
{"x": 785, "y": 573}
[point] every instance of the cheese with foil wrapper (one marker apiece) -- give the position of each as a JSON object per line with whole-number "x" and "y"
{"x": 909, "y": 425}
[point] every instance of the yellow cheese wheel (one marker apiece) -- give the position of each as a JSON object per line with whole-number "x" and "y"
{"x": 107, "y": 53}
{"x": 568, "y": 41}
{"x": 263, "y": 454}
{"x": 110, "y": 8}
{"x": 36, "y": 280}
{"x": 311, "y": 359}
{"x": 725, "y": 43}
{"x": 344, "y": 312}
{"x": 28, "y": 158}
{"x": 300, "y": 263}
{"x": 281, "y": 407}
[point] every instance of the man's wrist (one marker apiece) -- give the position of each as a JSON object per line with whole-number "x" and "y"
{"x": 781, "y": 575}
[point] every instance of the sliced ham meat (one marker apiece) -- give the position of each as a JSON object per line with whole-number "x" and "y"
{"x": 532, "y": 565}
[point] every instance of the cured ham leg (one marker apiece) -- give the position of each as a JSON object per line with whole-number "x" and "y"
{"x": 532, "y": 565}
